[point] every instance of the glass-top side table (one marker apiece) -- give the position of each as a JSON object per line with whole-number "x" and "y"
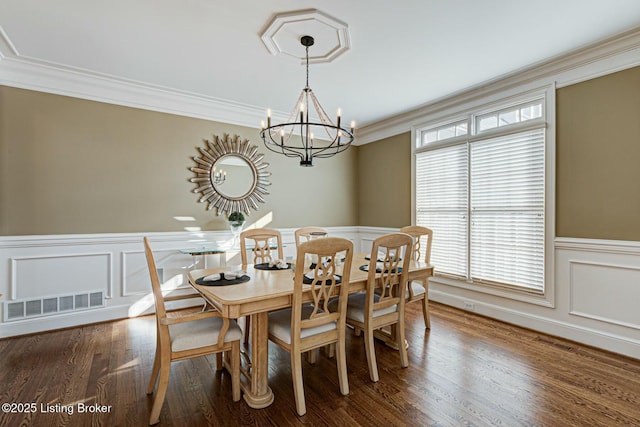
{"x": 207, "y": 250}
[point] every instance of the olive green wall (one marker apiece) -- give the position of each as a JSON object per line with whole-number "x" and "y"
{"x": 72, "y": 166}
{"x": 384, "y": 182}
{"x": 598, "y": 158}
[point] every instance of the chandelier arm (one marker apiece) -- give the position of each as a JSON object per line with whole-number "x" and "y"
{"x": 280, "y": 149}
{"x": 333, "y": 141}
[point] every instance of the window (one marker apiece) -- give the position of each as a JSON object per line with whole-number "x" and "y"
{"x": 444, "y": 132}
{"x": 508, "y": 116}
{"x": 483, "y": 196}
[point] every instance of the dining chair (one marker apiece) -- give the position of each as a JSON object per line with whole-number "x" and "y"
{"x": 262, "y": 244}
{"x": 305, "y": 234}
{"x": 308, "y": 326}
{"x": 262, "y": 241}
{"x": 382, "y": 304}
{"x": 181, "y": 336}
{"x": 418, "y": 290}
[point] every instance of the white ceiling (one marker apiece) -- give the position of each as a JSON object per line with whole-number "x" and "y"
{"x": 403, "y": 54}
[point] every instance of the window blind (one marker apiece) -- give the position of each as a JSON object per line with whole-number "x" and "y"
{"x": 484, "y": 201}
{"x": 442, "y": 205}
{"x": 507, "y": 209}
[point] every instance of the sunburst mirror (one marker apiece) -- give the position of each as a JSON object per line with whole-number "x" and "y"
{"x": 230, "y": 175}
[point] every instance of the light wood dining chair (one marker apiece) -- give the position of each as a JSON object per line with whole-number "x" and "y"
{"x": 308, "y": 326}
{"x": 182, "y": 336}
{"x": 382, "y": 304}
{"x": 418, "y": 290}
{"x": 302, "y": 235}
{"x": 263, "y": 245}
{"x": 262, "y": 240}
{"x": 305, "y": 234}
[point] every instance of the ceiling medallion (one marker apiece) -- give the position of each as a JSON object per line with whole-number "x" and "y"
{"x": 283, "y": 33}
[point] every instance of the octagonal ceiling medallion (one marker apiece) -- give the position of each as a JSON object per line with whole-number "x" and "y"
{"x": 283, "y": 34}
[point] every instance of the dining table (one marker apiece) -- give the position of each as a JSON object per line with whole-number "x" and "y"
{"x": 268, "y": 290}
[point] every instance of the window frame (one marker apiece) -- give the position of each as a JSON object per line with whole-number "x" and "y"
{"x": 472, "y": 110}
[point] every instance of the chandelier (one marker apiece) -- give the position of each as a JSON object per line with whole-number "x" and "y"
{"x": 299, "y": 137}
{"x": 218, "y": 177}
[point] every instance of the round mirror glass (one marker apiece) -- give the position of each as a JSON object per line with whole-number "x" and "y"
{"x": 232, "y": 176}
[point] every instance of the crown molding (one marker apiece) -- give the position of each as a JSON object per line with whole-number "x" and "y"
{"x": 33, "y": 74}
{"x": 610, "y": 55}
{"x": 607, "y": 56}
{"x": 6, "y": 47}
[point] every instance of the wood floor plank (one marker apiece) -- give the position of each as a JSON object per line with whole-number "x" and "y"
{"x": 466, "y": 371}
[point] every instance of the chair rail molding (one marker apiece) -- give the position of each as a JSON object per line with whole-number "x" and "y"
{"x": 34, "y": 269}
{"x": 596, "y": 281}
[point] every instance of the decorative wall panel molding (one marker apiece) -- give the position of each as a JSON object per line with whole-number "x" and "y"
{"x": 45, "y": 275}
{"x": 172, "y": 267}
{"x": 38, "y": 271}
{"x": 610, "y": 323}
{"x": 605, "y": 292}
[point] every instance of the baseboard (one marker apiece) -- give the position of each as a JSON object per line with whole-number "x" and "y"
{"x": 63, "y": 321}
{"x": 589, "y": 336}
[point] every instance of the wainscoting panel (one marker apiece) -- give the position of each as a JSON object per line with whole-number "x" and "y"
{"x": 49, "y": 275}
{"x": 368, "y": 235}
{"x": 605, "y": 292}
{"x": 172, "y": 267}
{"x": 597, "y": 287}
{"x": 52, "y": 282}
{"x": 597, "y": 283}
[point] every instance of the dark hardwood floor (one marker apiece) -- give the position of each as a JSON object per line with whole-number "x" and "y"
{"x": 467, "y": 371}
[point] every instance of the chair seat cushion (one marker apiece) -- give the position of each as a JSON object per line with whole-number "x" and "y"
{"x": 355, "y": 307}
{"x": 417, "y": 289}
{"x": 280, "y": 324}
{"x": 201, "y": 333}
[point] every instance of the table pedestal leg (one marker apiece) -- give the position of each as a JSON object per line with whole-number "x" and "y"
{"x": 256, "y": 389}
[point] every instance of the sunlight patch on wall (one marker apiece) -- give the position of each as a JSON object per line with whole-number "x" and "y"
{"x": 146, "y": 302}
{"x": 262, "y": 222}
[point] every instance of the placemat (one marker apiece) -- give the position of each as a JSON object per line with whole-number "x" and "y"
{"x": 265, "y": 266}
{"x": 365, "y": 267}
{"x": 308, "y": 281}
{"x": 368, "y": 258}
{"x": 313, "y": 265}
{"x": 223, "y": 282}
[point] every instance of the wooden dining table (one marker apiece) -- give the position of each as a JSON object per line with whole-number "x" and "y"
{"x": 269, "y": 290}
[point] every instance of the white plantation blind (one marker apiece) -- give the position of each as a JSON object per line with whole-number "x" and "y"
{"x": 507, "y": 209}
{"x": 442, "y": 205}
{"x": 484, "y": 201}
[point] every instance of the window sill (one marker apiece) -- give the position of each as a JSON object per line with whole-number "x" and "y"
{"x": 523, "y": 295}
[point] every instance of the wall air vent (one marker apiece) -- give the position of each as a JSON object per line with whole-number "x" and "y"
{"x": 51, "y": 306}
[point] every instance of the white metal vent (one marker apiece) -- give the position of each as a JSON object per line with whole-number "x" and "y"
{"x": 50, "y": 306}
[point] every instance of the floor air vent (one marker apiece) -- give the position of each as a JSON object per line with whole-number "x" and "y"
{"x": 49, "y": 306}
